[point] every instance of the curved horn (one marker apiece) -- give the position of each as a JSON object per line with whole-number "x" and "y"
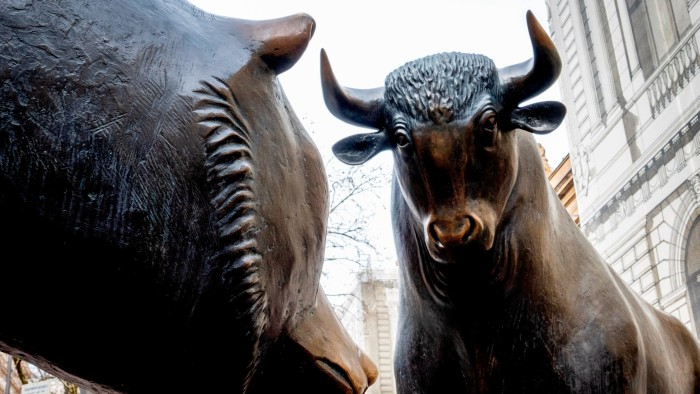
{"x": 530, "y": 78}
{"x": 283, "y": 40}
{"x": 360, "y": 107}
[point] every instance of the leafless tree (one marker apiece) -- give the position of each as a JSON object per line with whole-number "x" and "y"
{"x": 356, "y": 193}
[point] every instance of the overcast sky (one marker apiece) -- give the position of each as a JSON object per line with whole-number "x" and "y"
{"x": 367, "y": 39}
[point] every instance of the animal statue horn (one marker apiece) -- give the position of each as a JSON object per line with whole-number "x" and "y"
{"x": 361, "y": 107}
{"x": 528, "y": 79}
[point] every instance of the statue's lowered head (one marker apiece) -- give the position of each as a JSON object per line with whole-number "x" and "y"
{"x": 160, "y": 194}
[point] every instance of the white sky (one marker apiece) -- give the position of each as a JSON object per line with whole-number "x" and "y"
{"x": 367, "y": 39}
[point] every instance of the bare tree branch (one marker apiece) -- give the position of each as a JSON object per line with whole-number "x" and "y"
{"x": 352, "y": 190}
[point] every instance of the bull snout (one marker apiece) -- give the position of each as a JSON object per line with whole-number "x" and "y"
{"x": 446, "y": 234}
{"x": 325, "y": 341}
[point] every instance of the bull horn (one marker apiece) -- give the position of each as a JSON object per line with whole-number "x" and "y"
{"x": 530, "y": 78}
{"x": 360, "y": 107}
{"x": 283, "y": 40}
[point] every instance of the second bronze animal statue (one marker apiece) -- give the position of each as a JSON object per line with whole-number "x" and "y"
{"x": 500, "y": 290}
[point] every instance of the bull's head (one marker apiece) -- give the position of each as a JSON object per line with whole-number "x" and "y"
{"x": 449, "y": 120}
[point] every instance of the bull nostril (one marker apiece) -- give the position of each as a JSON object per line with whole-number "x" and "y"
{"x": 453, "y": 232}
{"x": 339, "y": 374}
{"x": 468, "y": 227}
{"x": 369, "y": 368}
{"x": 435, "y": 233}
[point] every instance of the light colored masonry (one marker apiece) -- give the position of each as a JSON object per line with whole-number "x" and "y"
{"x": 370, "y": 315}
{"x": 630, "y": 84}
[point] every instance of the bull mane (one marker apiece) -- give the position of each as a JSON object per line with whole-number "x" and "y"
{"x": 440, "y": 87}
{"x": 230, "y": 173}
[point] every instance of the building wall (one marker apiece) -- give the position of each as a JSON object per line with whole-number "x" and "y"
{"x": 633, "y": 132}
{"x": 562, "y": 180}
{"x": 380, "y": 297}
{"x": 33, "y": 375}
{"x": 15, "y": 383}
{"x": 370, "y": 314}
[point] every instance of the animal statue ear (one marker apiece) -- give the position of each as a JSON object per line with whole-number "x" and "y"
{"x": 539, "y": 118}
{"x": 359, "y": 148}
{"x": 283, "y": 40}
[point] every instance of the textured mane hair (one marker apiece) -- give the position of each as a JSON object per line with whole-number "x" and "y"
{"x": 440, "y": 87}
{"x": 230, "y": 172}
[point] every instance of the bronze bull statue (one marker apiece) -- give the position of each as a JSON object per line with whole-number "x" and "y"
{"x": 162, "y": 210}
{"x": 500, "y": 290}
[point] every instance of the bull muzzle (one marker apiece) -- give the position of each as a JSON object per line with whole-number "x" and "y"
{"x": 331, "y": 349}
{"x": 447, "y": 236}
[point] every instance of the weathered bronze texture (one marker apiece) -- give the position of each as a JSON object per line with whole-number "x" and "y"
{"x": 162, "y": 210}
{"x": 500, "y": 290}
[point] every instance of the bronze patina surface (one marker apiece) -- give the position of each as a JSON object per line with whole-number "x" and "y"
{"x": 162, "y": 210}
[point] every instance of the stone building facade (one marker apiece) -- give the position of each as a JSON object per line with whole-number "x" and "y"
{"x": 370, "y": 314}
{"x": 380, "y": 298}
{"x": 630, "y": 84}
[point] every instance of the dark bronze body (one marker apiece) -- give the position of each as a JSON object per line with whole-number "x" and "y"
{"x": 500, "y": 290}
{"x": 162, "y": 210}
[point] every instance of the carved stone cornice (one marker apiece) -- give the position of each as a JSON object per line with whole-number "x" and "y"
{"x": 670, "y": 159}
{"x": 695, "y": 187}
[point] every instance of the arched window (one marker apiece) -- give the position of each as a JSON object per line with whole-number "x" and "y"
{"x": 692, "y": 269}
{"x": 656, "y": 26}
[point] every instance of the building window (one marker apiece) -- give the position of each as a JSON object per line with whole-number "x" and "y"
{"x": 594, "y": 62}
{"x": 656, "y": 26}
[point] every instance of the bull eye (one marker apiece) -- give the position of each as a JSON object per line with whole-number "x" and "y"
{"x": 488, "y": 121}
{"x": 486, "y": 133}
{"x": 401, "y": 138}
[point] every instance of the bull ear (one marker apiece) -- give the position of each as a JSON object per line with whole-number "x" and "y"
{"x": 539, "y": 118}
{"x": 359, "y": 148}
{"x": 283, "y": 40}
